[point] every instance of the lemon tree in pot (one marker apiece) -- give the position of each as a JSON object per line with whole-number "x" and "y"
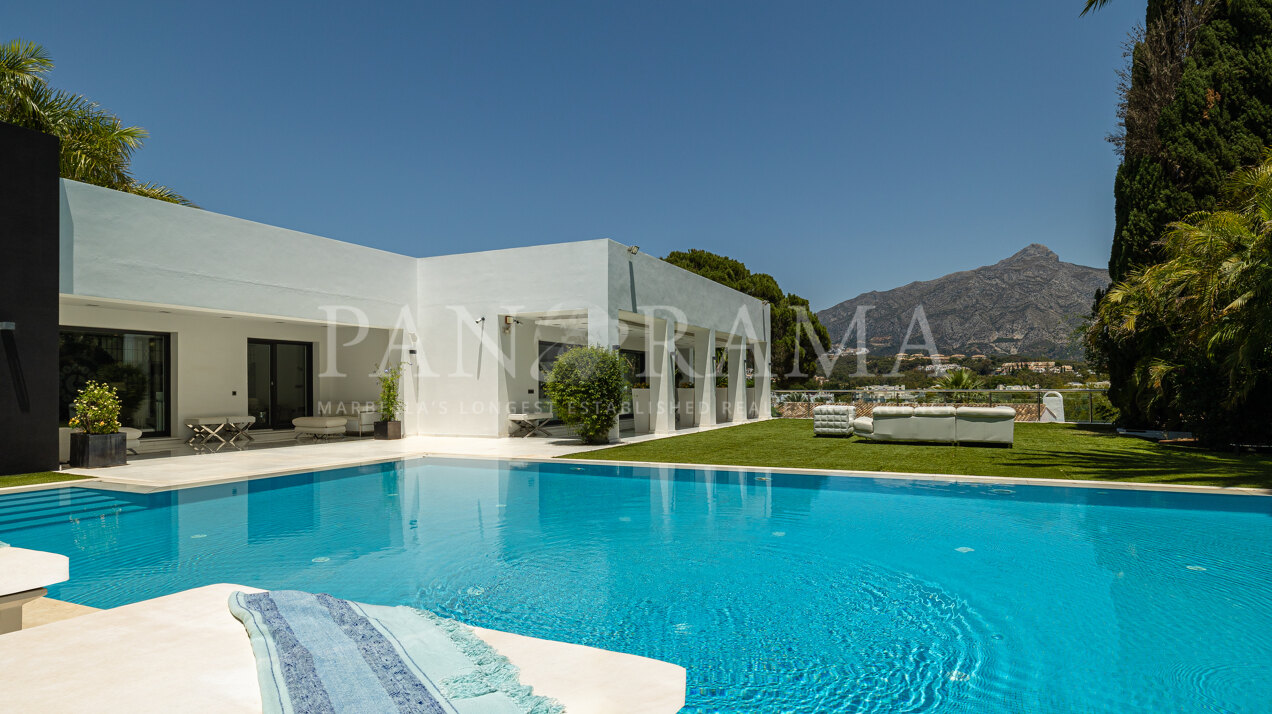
{"x": 97, "y": 440}
{"x": 389, "y": 426}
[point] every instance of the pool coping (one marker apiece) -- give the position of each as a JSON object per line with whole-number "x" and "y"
{"x": 946, "y": 478}
{"x": 4, "y": 490}
{"x": 103, "y": 483}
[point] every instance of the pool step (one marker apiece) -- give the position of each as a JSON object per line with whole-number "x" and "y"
{"x": 58, "y": 507}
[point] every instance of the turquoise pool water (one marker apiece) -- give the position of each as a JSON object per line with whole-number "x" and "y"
{"x": 777, "y": 592}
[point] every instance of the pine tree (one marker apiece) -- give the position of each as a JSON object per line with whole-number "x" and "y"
{"x": 793, "y": 322}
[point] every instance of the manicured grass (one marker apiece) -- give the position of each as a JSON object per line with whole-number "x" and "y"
{"x": 38, "y": 477}
{"x": 1060, "y": 451}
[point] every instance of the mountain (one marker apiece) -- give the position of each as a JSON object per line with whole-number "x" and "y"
{"x": 1028, "y": 304}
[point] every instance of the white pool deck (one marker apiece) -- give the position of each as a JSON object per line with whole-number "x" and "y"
{"x": 160, "y": 474}
{"x": 186, "y": 653}
{"x": 155, "y": 474}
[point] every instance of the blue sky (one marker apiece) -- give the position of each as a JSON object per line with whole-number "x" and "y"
{"x": 840, "y": 146}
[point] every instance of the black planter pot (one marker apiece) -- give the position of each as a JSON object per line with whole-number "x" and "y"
{"x": 388, "y": 430}
{"x": 94, "y": 451}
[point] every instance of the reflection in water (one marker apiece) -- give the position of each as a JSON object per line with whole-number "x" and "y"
{"x": 777, "y": 592}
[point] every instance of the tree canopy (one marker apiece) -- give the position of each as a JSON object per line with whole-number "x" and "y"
{"x": 794, "y": 325}
{"x": 1196, "y": 104}
{"x": 1208, "y": 306}
{"x": 96, "y": 147}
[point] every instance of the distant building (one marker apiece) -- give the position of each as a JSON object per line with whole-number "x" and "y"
{"x": 1037, "y": 367}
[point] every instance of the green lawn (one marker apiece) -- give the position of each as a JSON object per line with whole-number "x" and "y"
{"x": 1061, "y": 451}
{"x": 38, "y": 477}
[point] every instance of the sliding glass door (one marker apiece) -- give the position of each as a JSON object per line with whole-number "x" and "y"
{"x": 136, "y": 364}
{"x": 280, "y": 382}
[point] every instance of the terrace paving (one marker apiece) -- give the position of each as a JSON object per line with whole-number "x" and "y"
{"x": 156, "y": 474}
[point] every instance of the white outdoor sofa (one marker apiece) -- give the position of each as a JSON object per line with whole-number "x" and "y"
{"x": 360, "y": 417}
{"x": 833, "y": 419}
{"x": 320, "y": 427}
{"x": 951, "y": 425}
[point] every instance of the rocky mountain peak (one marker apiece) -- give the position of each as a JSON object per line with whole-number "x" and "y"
{"x": 1034, "y": 251}
{"x": 1028, "y": 304}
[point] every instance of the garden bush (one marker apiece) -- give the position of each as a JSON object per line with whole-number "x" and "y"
{"x": 588, "y": 386}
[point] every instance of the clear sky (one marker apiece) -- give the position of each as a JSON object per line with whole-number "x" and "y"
{"x": 840, "y": 146}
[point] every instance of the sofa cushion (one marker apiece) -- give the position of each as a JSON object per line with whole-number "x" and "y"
{"x": 934, "y": 411}
{"x": 993, "y": 412}
{"x": 319, "y": 422}
{"x": 893, "y": 412}
{"x": 986, "y": 425}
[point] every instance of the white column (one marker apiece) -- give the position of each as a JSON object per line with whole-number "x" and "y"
{"x": 763, "y": 379}
{"x": 659, "y": 343}
{"x": 409, "y": 387}
{"x": 737, "y": 378}
{"x": 704, "y": 378}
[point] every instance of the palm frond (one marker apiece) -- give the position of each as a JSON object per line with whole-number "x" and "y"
{"x": 160, "y": 193}
{"x": 1093, "y": 5}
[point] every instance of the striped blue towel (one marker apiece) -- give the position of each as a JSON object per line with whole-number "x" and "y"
{"x": 317, "y": 653}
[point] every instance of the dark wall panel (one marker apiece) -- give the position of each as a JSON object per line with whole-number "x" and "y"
{"x": 28, "y": 299}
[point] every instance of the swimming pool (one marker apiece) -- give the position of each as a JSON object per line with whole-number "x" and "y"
{"x": 777, "y": 592}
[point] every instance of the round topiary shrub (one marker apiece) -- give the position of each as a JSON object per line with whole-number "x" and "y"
{"x": 588, "y": 386}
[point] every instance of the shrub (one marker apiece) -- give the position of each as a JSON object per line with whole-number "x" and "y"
{"x": 96, "y": 409}
{"x": 588, "y": 386}
{"x": 390, "y": 393}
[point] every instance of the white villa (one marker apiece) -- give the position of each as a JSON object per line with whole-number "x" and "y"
{"x": 201, "y": 314}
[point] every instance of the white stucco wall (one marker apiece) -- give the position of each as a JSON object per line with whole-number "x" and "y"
{"x": 117, "y": 245}
{"x": 640, "y": 283}
{"x": 154, "y": 255}
{"x": 461, "y": 380}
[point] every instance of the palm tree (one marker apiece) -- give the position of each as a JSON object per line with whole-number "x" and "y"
{"x": 960, "y": 379}
{"x": 1209, "y": 303}
{"x": 96, "y": 147}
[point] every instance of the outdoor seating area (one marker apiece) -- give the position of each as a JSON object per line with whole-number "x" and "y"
{"x": 943, "y": 424}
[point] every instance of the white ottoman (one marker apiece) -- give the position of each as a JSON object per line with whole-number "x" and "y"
{"x": 833, "y": 419}
{"x": 319, "y": 427}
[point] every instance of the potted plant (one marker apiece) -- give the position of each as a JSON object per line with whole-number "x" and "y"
{"x": 389, "y": 426}
{"x": 97, "y": 441}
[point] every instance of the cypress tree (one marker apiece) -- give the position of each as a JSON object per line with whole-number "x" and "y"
{"x": 1196, "y": 105}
